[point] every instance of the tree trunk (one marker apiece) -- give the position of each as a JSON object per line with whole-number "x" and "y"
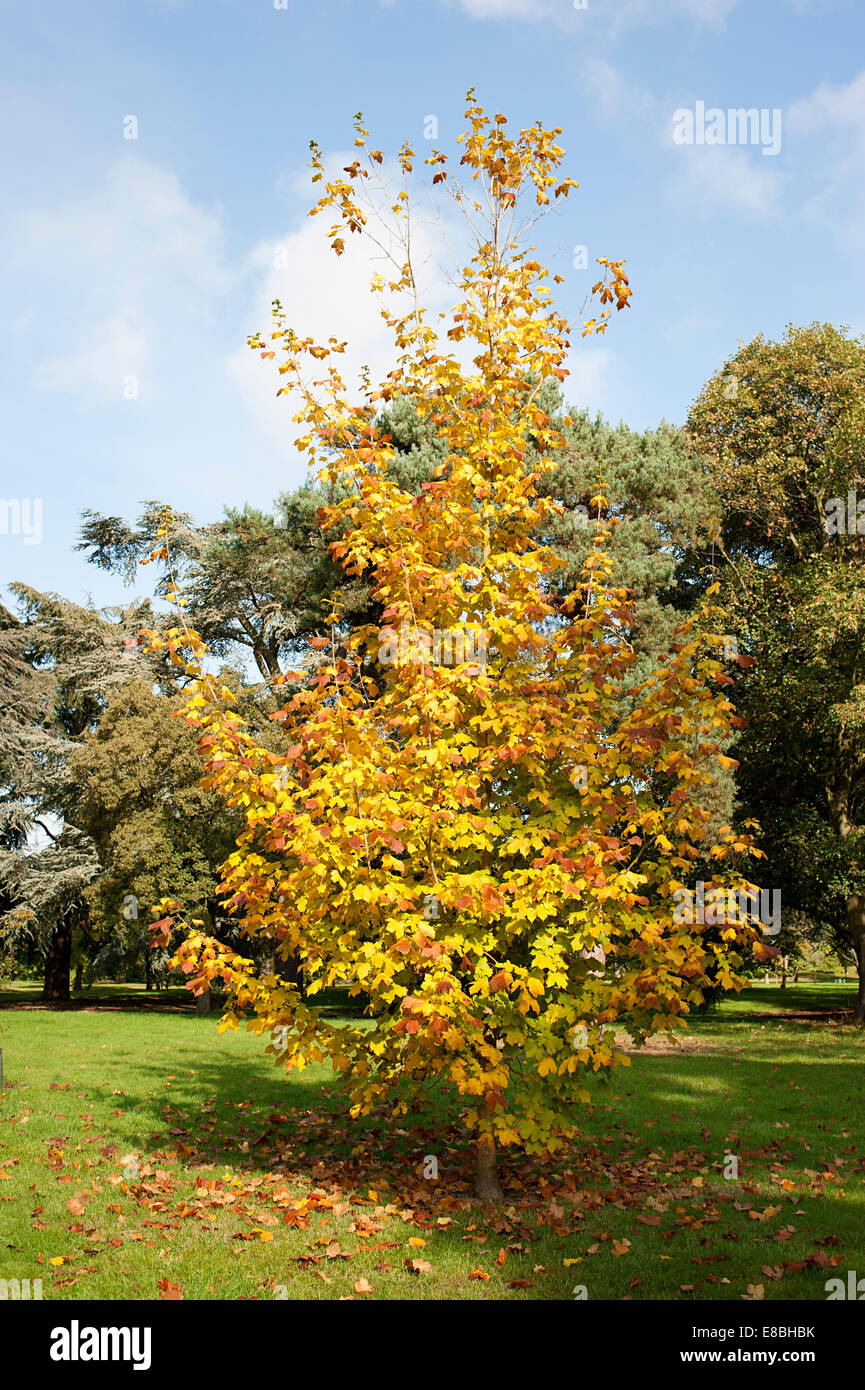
{"x": 290, "y": 971}
{"x": 856, "y": 925}
{"x": 58, "y": 963}
{"x": 838, "y": 796}
{"x": 487, "y": 1184}
{"x": 78, "y": 982}
{"x": 202, "y": 1002}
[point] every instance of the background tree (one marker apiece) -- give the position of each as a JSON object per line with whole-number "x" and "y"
{"x": 258, "y": 585}
{"x": 252, "y": 584}
{"x": 59, "y": 663}
{"x": 155, "y": 830}
{"x": 782, "y": 426}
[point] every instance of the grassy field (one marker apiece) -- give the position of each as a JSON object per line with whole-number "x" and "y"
{"x": 142, "y": 1155}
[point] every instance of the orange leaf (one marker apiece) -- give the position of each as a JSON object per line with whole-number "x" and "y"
{"x": 169, "y": 1291}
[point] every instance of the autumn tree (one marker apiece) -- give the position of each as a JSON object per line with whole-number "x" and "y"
{"x": 462, "y": 822}
{"x": 657, "y": 492}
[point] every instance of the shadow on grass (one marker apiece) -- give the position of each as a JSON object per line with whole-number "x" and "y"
{"x": 170, "y": 1001}
{"x": 264, "y": 1124}
{"x": 788, "y": 1112}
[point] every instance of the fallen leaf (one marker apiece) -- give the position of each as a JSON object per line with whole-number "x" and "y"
{"x": 169, "y": 1291}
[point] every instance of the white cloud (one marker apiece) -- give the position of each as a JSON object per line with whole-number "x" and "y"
{"x": 714, "y": 178}
{"x": 124, "y": 269}
{"x": 713, "y": 14}
{"x": 833, "y": 117}
{"x": 615, "y": 16}
{"x": 830, "y": 106}
{"x": 615, "y": 94}
{"x": 590, "y": 370}
{"x": 515, "y": 9}
{"x": 110, "y": 350}
{"x": 325, "y": 295}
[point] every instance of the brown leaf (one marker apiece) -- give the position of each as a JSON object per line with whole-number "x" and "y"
{"x": 169, "y": 1291}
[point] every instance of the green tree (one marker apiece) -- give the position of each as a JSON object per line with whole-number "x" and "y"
{"x": 59, "y": 664}
{"x": 251, "y": 583}
{"x": 782, "y": 427}
{"x": 155, "y": 830}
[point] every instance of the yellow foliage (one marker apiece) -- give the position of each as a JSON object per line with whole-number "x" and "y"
{"x": 424, "y": 837}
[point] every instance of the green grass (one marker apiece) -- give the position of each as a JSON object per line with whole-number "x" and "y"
{"x": 89, "y": 1088}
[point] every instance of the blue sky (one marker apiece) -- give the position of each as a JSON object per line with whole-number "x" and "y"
{"x": 153, "y": 258}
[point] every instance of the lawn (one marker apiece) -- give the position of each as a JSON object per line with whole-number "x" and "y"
{"x": 141, "y": 1151}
